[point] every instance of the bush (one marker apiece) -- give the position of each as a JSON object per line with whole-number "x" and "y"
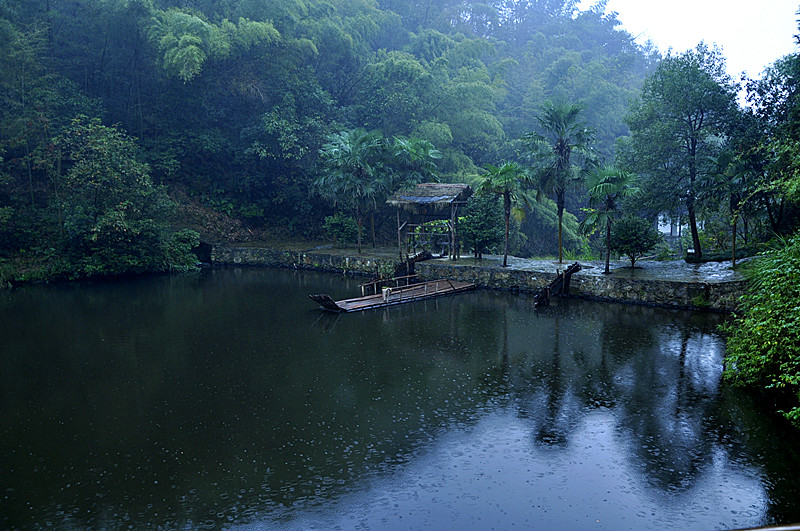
{"x": 482, "y": 228}
{"x": 179, "y": 250}
{"x": 764, "y": 338}
{"x": 115, "y": 221}
{"x": 664, "y": 252}
{"x": 341, "y": 228}
{"x": 634, "y": 237}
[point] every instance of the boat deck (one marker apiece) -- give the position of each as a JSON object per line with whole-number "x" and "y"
{"x": 392, "y": 296}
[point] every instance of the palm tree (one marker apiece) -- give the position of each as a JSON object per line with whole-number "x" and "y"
{"x": 415, "y": 160}
{"x": 732, "y": 182}
{"x": 562, "y": 135}
{"x": 606, "y": 186}
{"x": 509, "y": 182}
{"x": 350, "y": 177}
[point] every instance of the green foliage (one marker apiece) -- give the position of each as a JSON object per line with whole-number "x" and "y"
{"x": 413, "y": 161}
{"x": 436, "y": 226}
{"x": 481, "y": 228}
{"x": 634, "y": 237}
{"x": 560, "y": 154}
{"x": 179, "y": 250}
{"x": 764, "y": 339}
{"x": 509, "y": 182}
{"x": 341, "y": 228}
{"x": 678, "y": 129}
{"x": 665, "y": 252}
{"x": 351, "y": 177}
{"x": 539, "y": 225}
{"x": 700, "y": 301}
{"x": 606, "y": 187}
{"x": 772, "y": 150}
{"x": 114, "y": 219}
{"x": 185, "y": 40}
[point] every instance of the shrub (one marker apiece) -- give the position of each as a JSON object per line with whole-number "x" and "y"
{"x": 634, "y": 237}
{"x": 482, "y": 227}
{"x": 341, "y": 228}
{"x": 764, "y": 338}
{"x": 114, "y": 220}
{"x": 179, "y": 250}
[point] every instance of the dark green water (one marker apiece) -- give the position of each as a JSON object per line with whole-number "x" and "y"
{"x": 226, "y": 399}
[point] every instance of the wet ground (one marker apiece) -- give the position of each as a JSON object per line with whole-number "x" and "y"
{"x": 676, "y": 270}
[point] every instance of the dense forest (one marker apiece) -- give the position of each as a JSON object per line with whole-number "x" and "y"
{"x": 224, "y": 106}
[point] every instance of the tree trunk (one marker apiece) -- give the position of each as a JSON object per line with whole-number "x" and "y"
{"x": 360, "y": 225}
{"x": 608, "y": 246}
{"x": 560, "y": 204}
{"x": 507, "y": 212}
{"x": 698, "y": 252}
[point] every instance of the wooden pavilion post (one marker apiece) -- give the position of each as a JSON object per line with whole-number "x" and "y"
{"x": 399, "y": 237}
{"x": 452, "y": 231}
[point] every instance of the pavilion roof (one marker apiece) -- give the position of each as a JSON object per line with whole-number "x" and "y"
{"x": 438, "y": 195}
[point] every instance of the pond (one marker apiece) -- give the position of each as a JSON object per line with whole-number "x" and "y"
{"x": 227, "y": 399}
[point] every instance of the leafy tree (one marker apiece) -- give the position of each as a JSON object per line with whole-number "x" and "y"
{"x": 606, "y": 187}
{"x": 562, "y": 136}
{"x": 763, "y": 341}
{"x": 393, "y": 93}
{"x": 482, "y": 226}
{"x": 350, "y": 175}
{"x": 115, "y": 220}
{"x": 509, "y": 182}
{"x": 634, "y": 237}
{"x": 186, "y": 40}
{"x": 773, "y": 151}
{"x": 413, "y": 160}
{"x": 678, "y": 125}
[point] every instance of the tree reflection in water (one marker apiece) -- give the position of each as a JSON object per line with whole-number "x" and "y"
{"x": 227, "y": 397}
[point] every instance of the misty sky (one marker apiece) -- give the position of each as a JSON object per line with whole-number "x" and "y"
{"x": 752, "y": 33}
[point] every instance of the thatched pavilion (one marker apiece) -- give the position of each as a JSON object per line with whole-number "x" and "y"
{"x": 427, "y": 202}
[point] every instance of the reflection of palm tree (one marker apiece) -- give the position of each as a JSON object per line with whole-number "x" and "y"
{"x": 550, "y": 432}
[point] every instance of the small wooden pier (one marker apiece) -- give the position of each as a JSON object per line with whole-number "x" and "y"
{"x": 557, "y": 288}
{"x": 390, "y": 296}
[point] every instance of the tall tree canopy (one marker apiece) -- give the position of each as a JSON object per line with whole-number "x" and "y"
{"x": 678, "y": 125}
{"x": 230, "y": 102}
{"x": 561, "y": 152}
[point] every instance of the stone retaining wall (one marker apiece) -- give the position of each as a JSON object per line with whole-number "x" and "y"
{"x": 716, "y": 296}
{"x": 317, "y": 261}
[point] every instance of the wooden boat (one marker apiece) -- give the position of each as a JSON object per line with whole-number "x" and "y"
{"x": 394, "y": 295}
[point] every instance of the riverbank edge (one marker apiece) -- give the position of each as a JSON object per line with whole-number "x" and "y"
{"x": 706, "y": 296}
